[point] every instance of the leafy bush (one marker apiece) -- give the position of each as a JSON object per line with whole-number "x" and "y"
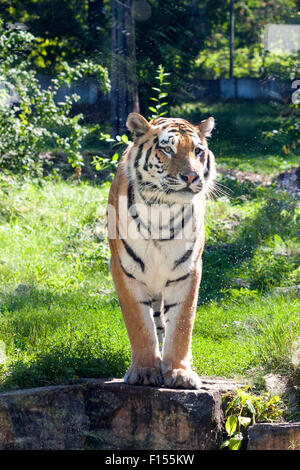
{"x": 31, "y": 122}
{"x": 245, "y": 408}
{"x": 251, "y": 61}
{"x": 287, "y": 135}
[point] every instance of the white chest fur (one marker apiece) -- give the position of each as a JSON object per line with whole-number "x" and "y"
{"x": 161, "y": 243}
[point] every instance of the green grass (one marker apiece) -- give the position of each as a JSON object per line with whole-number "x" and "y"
{"x": 60, "y": 318}
{"x": 59, "y": 315}
{"x": 250, "y": 331}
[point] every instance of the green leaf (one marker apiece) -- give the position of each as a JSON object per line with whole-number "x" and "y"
{"x": 152, "y": 109}
{"x": 115, "y": 157}
{"x": 231, "y": 424}
{"x": 124, "y": 138}
{"x": 235, "y": 442}
{"x": 250, "y": 407}
{"x": 244, "y": 421}
{"x": 224, "y": 444}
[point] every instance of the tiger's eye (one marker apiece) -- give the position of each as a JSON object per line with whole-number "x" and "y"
{"x": 168, "y": 149}
{"x": 198, "y": 151}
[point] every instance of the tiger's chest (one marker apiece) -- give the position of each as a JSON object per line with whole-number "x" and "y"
{"x": 157, "y": 264}
{"x": 160, "y": 247}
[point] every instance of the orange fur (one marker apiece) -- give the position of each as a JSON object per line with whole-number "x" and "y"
{"x": 139, "y": 275}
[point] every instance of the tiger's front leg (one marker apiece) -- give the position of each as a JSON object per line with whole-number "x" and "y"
{"x": 135, "y": 304}
{"x": 181, "y": 298}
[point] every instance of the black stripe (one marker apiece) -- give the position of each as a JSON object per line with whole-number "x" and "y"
{"x": 125, "y": 271}
{"x": 139, "y": 222}
{"x": 175, "y": 231}
{"x": 133, "y": 255}
{"x": 147, "y": 158}
{"x": 146, "y": 200}
{"x": 171, "y": 221}
{"x": 146, "y": 302}
{"x": 139, "y": 156}
{"x": 139, "y": 175}
{"x": 173, "y": 129}
{"x": 178, "y": 279}
{"x": 148, "y": 184}
{"x": 183, "y": 258}
{"x": 182, "y": 129}
{"x": 130, "y": 200}
{"x": 207, "y": 169}
{"x": 160, "y": 120}
{"x": 132, "y": 209}
{"x": 157, "y": 157}
{"x": 167, "y": 307}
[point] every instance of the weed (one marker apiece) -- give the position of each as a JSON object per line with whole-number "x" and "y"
{"x": 245, "y": 408}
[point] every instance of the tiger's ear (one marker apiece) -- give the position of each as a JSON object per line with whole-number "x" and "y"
{"x": 205, "y": 127}
{"x": 137, "y": 124}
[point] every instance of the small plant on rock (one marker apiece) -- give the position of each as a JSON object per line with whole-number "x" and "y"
{"x": 246, "y": 408}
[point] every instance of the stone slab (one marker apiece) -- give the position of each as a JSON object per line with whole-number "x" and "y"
{"x": 110, "y": 415}
{"x": 274, "y": 436}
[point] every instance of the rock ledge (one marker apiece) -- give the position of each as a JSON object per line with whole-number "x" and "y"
{"x": 110, "y": 415}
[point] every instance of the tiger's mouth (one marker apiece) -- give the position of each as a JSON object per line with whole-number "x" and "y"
{"x": 170, "y": 190}
{"x": 187, "y": 188}
{"x": 194, "y": 188}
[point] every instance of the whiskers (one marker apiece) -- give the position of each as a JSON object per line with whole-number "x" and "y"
{"x": 171, "y": 184}
{"x": 214, "y": 189}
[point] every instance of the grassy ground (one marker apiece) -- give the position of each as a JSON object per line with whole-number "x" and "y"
{"x": 60, "y": 318}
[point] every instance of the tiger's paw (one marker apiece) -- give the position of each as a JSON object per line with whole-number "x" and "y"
{"x": 181, "y": 378}
{"x": 138, "y": 375}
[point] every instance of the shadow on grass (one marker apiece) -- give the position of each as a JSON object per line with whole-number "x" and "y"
{"x": 60, "y": 367}
{"x": 55, "y": 338}
{"x": 223, "y": 261}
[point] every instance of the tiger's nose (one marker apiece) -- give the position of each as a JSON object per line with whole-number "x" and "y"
{"x": 189, "y": 177}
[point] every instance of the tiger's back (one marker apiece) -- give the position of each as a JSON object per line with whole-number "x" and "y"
{"x": 156, "y": 233}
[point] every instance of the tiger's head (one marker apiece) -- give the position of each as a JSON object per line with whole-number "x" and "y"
{"x": 169, "y": 160}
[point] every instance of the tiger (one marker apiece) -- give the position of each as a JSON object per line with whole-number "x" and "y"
{"x": 155, "y": 220}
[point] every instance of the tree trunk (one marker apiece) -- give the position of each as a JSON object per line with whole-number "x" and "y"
{"x": 124, "y": 94}
{"x": 231, "y": 39}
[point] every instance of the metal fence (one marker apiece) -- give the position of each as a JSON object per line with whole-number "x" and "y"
{"x": 220, "y": 89}
{"x": 242, "y": 88}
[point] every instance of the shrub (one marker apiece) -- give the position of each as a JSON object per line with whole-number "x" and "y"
{"x": 287, "y": 135}
{"x": 245, "y": 408}
{"x": 31, "y": 122}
